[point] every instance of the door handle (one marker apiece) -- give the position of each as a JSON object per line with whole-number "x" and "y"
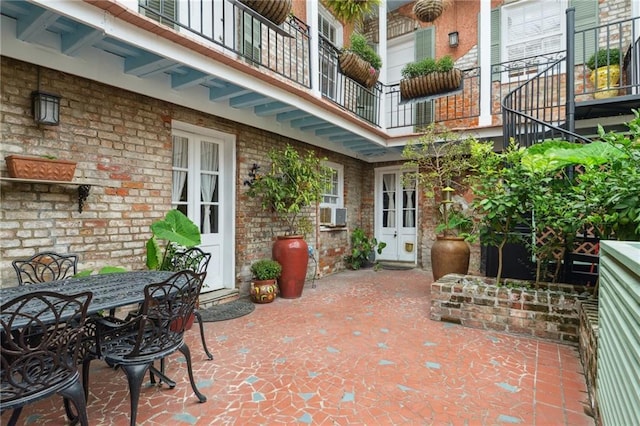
{"x": 395, "y": 234}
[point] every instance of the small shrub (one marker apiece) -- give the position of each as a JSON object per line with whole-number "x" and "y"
{"x": 266, "y": 269}
{"x": 603, "y": 58}
{"x": 360, "y": 47}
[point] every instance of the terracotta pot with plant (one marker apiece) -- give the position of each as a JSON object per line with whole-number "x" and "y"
{"x": 264, "y": 286}
{"x": 293, "y": 183}
{"x": 438, "y": 161}
{"x": 46, "y": 167}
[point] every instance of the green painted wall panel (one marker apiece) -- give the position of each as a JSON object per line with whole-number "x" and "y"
{"x": 618, "y": 377}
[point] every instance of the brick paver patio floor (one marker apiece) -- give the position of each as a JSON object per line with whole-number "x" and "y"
{"x": 359, "y": 349}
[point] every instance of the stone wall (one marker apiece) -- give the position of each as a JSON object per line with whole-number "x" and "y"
{"x": 549, "y": 312}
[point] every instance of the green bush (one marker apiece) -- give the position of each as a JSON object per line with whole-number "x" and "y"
{"x": 360, "y": 47}
{"x": 362, "y": 249}
{"x": 266, "y": 269}
{"x": 427, "y": 66}
{"x": 603, "y": 58}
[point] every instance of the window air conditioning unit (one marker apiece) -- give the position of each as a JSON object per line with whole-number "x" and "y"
{"x": 332, "y": 216}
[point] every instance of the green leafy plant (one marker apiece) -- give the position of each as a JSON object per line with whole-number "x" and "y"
{"x": 363, "y": 249}
{"x": 603, "y": 58}
{"x": 436, "y": 160}
{"x": 352, "y": 11}
{"x": 427, "y": 66}
{"x": 360, "y": 47}
{"x": 293, "y": 182}
{"x": 178, "y": 231}
{"x": 266, "y": 269}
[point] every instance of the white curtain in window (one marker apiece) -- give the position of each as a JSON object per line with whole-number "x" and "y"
{"x": 209, "y": 162}
{"x": 180, "y": 160}
{"x": 389, "y": 185}
{"x": 409, "y": 214}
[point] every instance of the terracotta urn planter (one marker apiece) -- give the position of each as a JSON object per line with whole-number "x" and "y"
{"x": 40, "y": 168}
{"x": 449, "y": 255}
{"x": 292, "y": 253}
{"x": 358, "y": 69}
{"x": 430, "y": 84}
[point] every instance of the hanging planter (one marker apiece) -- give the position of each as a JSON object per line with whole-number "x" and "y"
{"x": 358, "y": 69}
{"x": 360, "y": 62}
{"x": 275, "y": 11}
{"x": 428, "y": 10}
{"x": 429, "y": 77}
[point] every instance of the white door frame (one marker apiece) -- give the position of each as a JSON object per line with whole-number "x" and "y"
{"x": 226, "y": 190}
{"x": 403, "y": 236}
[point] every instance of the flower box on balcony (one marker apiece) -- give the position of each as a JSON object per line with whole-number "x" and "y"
{"x": 40, "y": 168}
{"x": 358, "y": 69}
{"x": 428, "y": 77}
{"x": 275, "y": 11}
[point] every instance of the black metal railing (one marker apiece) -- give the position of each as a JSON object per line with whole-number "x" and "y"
{"x": 624, "y": 36}
{"x": 418, "y": 113}
{"x": 342, "y": 90}
{"x": 232, "y": 26}
{"x": 544, "y": 106}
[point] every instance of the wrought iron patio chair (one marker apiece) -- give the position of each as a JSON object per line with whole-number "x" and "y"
{"x": 156, "y": 332}
{"x": 41, "y": 335}
{"x": 45, "y": 266}
{"x": 196, "y": 260}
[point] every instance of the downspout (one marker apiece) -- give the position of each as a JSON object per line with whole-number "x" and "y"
{"x": 570, "y": 71}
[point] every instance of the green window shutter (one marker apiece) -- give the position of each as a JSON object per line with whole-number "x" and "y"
{"x": 586, "y": 17}
{"x": 166, "y": 9}
{"x": 424, "y": 48}
{"x": 251, "y": 38}
{"x": 495, "y": 43}
{"x": 424, "y": 44}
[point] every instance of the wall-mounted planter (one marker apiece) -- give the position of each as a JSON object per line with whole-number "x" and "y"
{"x": 40, "y": 168}
{"x": 358, "y": 69}
{"x": 430, "y": 84}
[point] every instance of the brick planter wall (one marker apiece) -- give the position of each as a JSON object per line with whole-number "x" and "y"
{"x": 588, "y": 313}
{"x": 549, "y": 312}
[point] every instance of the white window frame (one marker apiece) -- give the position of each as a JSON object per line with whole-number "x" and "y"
{"x": 339, "y": 168}
{"x": 516, "y": 9}
{"x": 331, "y": 20}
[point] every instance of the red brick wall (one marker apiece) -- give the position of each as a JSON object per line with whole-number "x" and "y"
{"x": 123, "y": 140}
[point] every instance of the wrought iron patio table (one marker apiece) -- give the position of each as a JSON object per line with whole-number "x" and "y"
{"x": 110, "y": 291}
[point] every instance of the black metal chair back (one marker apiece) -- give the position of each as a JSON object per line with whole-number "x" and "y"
{"x": 193, "y": 259}
{"x": 41, "y": 338}
{"x": 156, "y": 332}
{"x": 45, "y": 266}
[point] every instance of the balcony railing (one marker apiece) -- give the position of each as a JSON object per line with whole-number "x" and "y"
{"x": 231, "y": 26}
{"x": 420, "y": 113}
{"x": 285, "y": 50}
{"x": 342, "y": 90}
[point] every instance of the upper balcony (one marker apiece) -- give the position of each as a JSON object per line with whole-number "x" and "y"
{"x": 223, "y": 58}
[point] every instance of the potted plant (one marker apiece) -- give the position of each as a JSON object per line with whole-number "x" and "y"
{"x": 428, "y": 77}
{"x": 352, "y": 11}
{"x": 293, "y": 182}
{"x": 275, "y": 11}
{"x": 438, "y": 161}
{"x": 605, "y": 72}
{"x": 45, "y": 167}
{"x": 360, "y": 62}
{"x": 363, "y": 250}
{"x": 264, "y": 286}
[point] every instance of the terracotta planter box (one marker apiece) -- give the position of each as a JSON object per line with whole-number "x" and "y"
{"x": 40, "y": 168}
